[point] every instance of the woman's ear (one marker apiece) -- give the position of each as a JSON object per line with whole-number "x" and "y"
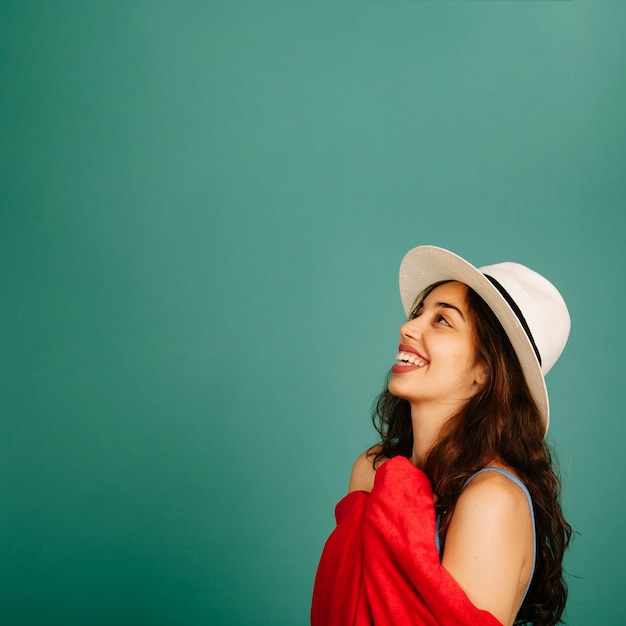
{"x": 482, "y": 375}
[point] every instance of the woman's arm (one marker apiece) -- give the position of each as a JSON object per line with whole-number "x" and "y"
{"x": 489, "y": 545}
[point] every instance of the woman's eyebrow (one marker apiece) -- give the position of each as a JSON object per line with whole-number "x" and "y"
{"x": 447, "y": 305}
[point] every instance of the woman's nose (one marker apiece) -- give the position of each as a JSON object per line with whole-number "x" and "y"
{"x": 411, "y": 329}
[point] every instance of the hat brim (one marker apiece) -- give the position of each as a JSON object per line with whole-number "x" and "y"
{"x": 426, "y": 265}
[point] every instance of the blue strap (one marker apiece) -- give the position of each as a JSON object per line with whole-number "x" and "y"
{"x": 522, "y": 486}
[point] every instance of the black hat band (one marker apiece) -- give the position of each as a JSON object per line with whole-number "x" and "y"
{"x": 517, "y": 311}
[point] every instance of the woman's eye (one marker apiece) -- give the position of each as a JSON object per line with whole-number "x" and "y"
{"x": 442, "y": 320}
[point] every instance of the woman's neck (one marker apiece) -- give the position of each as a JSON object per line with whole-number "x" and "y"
{"x": 427, "y": 423}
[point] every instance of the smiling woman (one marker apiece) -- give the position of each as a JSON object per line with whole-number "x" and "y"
{"x": 454, "y": 517}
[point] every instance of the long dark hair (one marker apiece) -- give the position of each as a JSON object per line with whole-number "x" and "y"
{"x": 501, "y": 421}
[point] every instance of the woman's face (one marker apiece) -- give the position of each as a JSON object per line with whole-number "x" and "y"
{"x": 436, "y": 364}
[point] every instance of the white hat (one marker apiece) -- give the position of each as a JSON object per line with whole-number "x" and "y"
{"x": 529, "y": 307}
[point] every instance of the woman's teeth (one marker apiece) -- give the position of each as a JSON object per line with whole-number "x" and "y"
{"x": 408, "y": 358}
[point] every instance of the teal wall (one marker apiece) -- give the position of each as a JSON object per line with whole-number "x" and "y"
{"x": 203, "y": 210}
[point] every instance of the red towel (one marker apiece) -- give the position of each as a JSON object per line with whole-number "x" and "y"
{"x": 380, "y": 565}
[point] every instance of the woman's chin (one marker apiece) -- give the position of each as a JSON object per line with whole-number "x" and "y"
{"x": 395, "y": 387}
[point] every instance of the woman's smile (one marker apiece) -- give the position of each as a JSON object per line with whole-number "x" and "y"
{"x": 408, "y": 359}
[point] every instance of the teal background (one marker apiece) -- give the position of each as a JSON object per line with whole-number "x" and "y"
{"x": 203, "y": 210}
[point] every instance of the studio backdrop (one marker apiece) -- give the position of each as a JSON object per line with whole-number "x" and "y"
{"x": 203, "y": 208}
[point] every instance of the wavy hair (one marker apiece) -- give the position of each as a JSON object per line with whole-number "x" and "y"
{"x": 502, "y": 421}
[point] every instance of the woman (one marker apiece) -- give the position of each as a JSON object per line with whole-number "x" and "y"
{"x": 454, "y": 518}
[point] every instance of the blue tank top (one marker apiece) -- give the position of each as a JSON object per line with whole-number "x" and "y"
{"x": 522, "y": 486}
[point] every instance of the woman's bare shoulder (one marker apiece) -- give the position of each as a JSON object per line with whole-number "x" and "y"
{"x": 363, "y": 470}
{"x": 494, "y": 492}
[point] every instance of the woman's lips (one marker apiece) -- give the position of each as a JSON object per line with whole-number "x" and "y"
{"x": 405, "y": 347}
{"x": 401, "y": 369}
{"x": 408, "y": 359}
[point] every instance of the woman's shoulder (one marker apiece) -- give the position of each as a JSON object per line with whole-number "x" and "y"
{"x": 364, "y": 470}
{"x": 496, "y": 484}
{"x": 495, "y": 502}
